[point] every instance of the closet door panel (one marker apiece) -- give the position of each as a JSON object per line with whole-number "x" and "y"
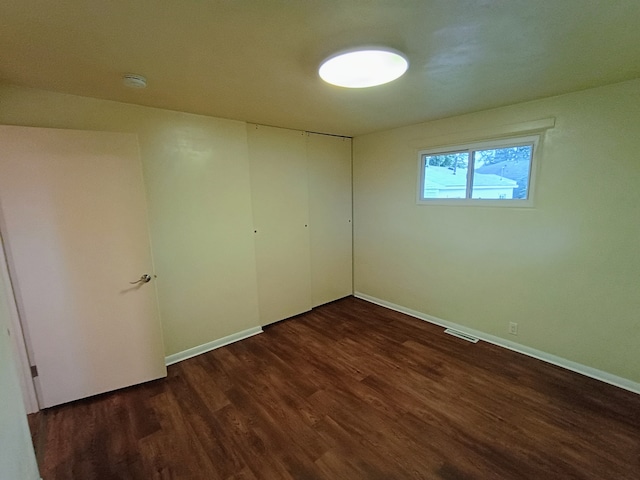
{"x": 280, "y": 201}
{"x": 330, "y": 212}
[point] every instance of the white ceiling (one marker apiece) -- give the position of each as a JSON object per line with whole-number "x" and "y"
{"x": 256, "y": 60}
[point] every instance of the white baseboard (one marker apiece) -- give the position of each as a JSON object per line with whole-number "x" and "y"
{"x": 516, "y": 347}
{"x": 207, "y": 347}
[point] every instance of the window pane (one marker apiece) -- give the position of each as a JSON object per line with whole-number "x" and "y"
{"x": 445, "y": 175}
{"x": 502, "y": 173}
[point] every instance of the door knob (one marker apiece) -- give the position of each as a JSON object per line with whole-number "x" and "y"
{"x": 146, "y": 278}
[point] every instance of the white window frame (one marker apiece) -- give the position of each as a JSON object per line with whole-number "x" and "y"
{"x": 533, "y": 140}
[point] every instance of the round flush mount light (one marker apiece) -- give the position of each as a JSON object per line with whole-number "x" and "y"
{"x": 133, "y": 80}
{"x": 363, "y": 67}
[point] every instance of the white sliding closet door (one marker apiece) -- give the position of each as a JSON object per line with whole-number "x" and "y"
{"x": 280, "y": 199}
{"x": 329, "y": 161}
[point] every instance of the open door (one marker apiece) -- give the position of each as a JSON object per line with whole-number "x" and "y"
{"x": 74, "y": 221}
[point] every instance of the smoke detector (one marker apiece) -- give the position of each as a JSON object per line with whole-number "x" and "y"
{"x": 133, "y": 80}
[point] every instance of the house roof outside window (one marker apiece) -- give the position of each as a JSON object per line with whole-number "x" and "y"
{"x": 445, "y": 178}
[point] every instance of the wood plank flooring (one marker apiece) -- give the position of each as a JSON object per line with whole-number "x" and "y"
{"x": 349, "y": 391}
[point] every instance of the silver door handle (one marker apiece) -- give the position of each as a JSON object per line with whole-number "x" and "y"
{"x": 146, "y": 278}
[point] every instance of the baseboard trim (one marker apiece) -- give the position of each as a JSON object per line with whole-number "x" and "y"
{"x": 516, "y": 347}
{"x": 207, "y": 347}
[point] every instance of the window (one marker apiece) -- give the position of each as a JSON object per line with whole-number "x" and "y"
{"x": 493, "y": 172}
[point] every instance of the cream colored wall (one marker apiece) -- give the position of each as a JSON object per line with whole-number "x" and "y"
{"x": 17, "y": 459}
{"x": 567, "y": 270}
{"x": 197, "y": 178}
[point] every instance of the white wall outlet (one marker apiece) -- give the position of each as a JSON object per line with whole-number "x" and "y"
{"x": 513, "y": 328}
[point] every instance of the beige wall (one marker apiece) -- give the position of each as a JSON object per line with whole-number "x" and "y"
{"x": 567, "y": 270}
{"x": 17, "y": 459}
{"x": 197, "y": 178}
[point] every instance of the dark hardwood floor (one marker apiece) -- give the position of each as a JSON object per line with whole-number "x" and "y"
{"x": 349, "y": 391}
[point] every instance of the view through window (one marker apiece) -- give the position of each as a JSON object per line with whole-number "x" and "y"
{"x": 485, "y": 171}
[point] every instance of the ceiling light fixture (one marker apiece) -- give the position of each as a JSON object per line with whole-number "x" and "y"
{"x": 363, "y": 67}
{"x": 133, "y": 80}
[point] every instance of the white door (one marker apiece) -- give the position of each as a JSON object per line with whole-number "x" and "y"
{"x": 279, "y": 194}
{"x": 74, "y": 222}
{"x": 329, "y": 160}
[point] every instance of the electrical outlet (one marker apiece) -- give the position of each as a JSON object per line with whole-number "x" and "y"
{"x": 513, "y": 328}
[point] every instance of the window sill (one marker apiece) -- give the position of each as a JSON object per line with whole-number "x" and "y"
{"x": 474, "y": 202}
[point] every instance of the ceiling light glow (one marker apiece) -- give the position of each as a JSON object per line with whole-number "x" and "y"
{"x": 363, "y": 67}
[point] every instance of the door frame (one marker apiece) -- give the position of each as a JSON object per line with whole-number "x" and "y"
{"x": 17, "y": 332}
